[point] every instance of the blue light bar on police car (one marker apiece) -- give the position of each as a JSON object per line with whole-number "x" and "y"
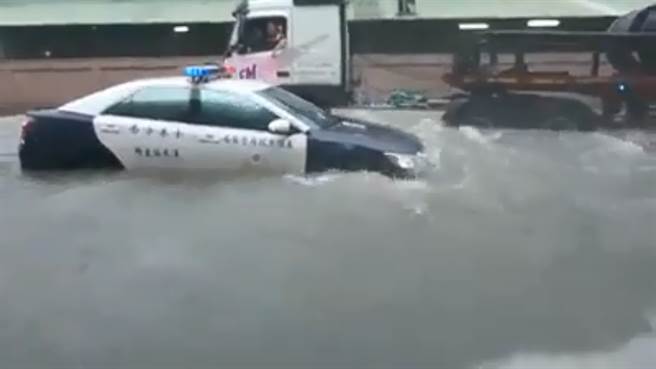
{"x": 201, "y": 71}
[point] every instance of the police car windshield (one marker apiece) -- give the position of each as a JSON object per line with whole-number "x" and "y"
{"x": 311, "y": 114}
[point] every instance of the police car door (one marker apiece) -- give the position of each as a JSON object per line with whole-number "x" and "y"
{"x": 234, "y": 131}
{"x": 149, "y": 129}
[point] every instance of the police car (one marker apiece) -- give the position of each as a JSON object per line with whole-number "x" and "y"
{"x": 201, "y": 121}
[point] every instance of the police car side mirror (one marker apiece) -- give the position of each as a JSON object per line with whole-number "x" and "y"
{"x": 281, "y": 126}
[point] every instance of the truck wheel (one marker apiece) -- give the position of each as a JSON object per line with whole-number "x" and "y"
{"x": 478, "y": 121}
{"x": 560, "y": 123}
{"x": 610, "y": 108}
{"x": 637, "y": 111}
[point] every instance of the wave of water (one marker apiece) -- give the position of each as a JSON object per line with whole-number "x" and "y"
{"x": 520, "y": 243}
{"x": 638, "y": 353}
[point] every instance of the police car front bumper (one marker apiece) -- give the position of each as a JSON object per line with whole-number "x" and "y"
{"x": 409, "y": 165}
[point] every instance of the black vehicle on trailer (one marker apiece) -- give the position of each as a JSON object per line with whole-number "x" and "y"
{"x": 614, "y": 94}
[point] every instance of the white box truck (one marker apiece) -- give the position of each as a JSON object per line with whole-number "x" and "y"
{"x": 301, "y": 45}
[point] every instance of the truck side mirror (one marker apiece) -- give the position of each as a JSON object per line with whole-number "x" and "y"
{"x": 239, "y": 48}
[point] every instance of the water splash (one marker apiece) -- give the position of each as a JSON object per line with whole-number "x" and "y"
{"x": 476, "y": 135}
{"x": 472, "y": 264}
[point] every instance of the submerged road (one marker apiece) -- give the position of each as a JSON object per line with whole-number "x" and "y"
{"x": 9, "y": 134}
{"x": 524, "y": 249}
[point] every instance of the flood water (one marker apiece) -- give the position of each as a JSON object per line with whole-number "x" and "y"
{"x": 523, "y": 249}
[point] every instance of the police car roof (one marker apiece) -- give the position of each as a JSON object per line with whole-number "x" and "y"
{"x": 96, "y": 102}
{"x": 218, "y": 84}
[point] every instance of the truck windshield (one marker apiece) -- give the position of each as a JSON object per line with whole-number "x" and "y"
{"x": 240, "y": 14}
{"x": 311, "y": 114}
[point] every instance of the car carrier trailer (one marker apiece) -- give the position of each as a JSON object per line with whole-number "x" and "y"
{"x": 516, "y": 96}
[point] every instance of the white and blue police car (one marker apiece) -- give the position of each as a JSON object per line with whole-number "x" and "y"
{"x": 201, "y": 121}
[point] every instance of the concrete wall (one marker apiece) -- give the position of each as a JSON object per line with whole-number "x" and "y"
{"x": 70, "y": 12}
{"x": 27, "y": 84}
{"x": 379, "y": 74}
{"x": 41, "y": 12}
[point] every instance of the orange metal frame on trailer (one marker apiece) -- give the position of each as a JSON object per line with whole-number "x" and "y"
{"x": 560, "y": 81}
{"x": 613, "y": 87}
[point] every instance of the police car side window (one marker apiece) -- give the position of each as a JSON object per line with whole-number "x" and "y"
{"x": 160, "y": 103}
{"x": 225, "y": 109}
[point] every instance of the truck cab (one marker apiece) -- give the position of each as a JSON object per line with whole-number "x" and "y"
{"x": 300, "y": 45}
